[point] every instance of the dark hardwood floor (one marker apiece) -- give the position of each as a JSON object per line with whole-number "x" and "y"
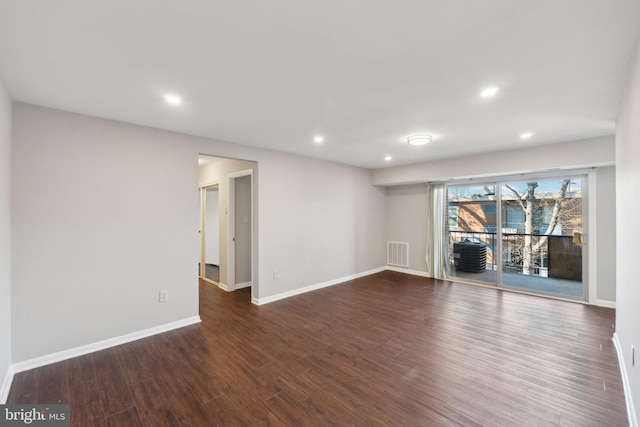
{"x": 212, "y": 272}
{"x": 384, "y": 350}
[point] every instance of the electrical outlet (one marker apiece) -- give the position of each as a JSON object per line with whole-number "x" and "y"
{"x": 276, "y": 274}
{"x": 164, "y": 296}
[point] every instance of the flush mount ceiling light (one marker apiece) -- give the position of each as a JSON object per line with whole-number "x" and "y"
{"x": 388, "y": 158}
{"x": 173, "y": 99}
{"x": 419, "y": 139}
{"x": 318, "y": 139}
{"x": 489, "y": 92}
{"x": 526, "y": 135}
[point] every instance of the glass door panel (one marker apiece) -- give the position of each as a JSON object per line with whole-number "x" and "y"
{"x": 471, "y": 233}
{"x": 542, "y": 236}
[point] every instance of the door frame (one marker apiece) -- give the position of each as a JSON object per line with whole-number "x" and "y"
{"x": 231, "y": 247}
{"x": 589, "y": 247}
{"x": 203, "y": 228}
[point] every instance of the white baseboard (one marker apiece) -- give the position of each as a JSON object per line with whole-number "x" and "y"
{"x": 6, "y": 385}
{"x": 283, "y": 295}
{"x": 633, "y": 420}
{"x": 101, "y": 345}
{"x": 605, "y": 303}
{"x": 407, "y": 271}
{"x": 235, "y": 287}
{"x": 243, "y": 285}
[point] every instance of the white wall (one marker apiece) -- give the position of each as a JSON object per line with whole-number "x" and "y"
{"x": 628, "y": 231}
{"x": 407, "y": 221}
{"x": 330, "y": 222}
{"x": 606, "y": 233}
{"x": 212, "y": 228}
{"x": 242, "y": 229}
{"x": 568, "y": 155}
{"x": 5, "y": 239}
{"x": 326, "y": 220}
{"x": 90, "y": 266}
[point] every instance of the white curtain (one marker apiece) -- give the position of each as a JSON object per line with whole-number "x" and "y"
{"x": 436, "y": 227}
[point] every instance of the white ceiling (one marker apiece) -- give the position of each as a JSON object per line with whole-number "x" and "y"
{"x": 365, "y": 74}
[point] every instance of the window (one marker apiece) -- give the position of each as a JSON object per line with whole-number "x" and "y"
{"x": 489, "y": 209}
{"x": 513, "y": 218}
{"x": 453, "y": 217}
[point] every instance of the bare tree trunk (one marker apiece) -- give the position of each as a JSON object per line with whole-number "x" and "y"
{"x": 527, "y": 256}
{"x": 555, "y": 216}
{"x": 527, "y": 202}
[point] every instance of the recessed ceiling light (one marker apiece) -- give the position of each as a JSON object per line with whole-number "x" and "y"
{"x": 388, "y": 158}
{"x": 419, "y": 139}
{"x": 318, "y": 139}
{"x": 489, "y": 92}
{"x": 173, "y": 99}
{"x": 526, "y": 135}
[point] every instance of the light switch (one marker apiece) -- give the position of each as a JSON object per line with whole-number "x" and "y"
{"x": 164, "y": 296}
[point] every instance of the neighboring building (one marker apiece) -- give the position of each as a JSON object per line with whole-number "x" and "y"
{"x": 477, "y": 213}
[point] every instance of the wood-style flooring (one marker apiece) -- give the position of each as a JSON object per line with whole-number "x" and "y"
{"x": 212, "y": 272}
{"x": 384, "y": 350}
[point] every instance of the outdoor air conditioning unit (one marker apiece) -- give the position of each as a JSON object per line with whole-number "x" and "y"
{"x": 470, "y": 256}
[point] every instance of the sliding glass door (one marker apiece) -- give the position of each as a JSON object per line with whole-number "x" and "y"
{"x": 542, "y": 236}
{"x": 471, "y": 230}
{"x": 537, "y": 247}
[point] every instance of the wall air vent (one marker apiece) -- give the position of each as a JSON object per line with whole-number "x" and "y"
{"x": 398, "y": 254}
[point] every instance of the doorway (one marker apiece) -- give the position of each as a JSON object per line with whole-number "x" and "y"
{"x": 542, "y": 242}
{"x": 236, "y": 182}
{"x": 209, "y": 265}
{"x": 240, "y": 244}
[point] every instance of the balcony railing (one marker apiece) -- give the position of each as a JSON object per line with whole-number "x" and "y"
{"x": 524, "y": 253}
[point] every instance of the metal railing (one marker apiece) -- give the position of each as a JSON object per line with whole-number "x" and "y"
{"x": 521, "y": 253}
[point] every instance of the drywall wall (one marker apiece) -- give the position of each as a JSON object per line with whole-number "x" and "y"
{"x": 628, "y": 231}
{"x": 330, "y": 222}
{"x": 5, "y": 238}
{"x": 606, "y": 233}
{"x": 326, "y": 219}
{"x": 241, "y": 233}
{"x": 89, "y": 267}
{"x": 406, "y": 221}
{"x": 212, "y": 227}
{"x": 568, "y": 155}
